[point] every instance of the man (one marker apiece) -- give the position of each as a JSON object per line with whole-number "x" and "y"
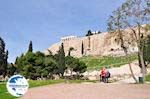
{"x": 107, "y": 76}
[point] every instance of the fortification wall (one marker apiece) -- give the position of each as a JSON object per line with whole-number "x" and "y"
{"x": 102, "y": 44}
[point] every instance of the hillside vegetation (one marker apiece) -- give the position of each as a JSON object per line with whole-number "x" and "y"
{"x": 97, "y": 62}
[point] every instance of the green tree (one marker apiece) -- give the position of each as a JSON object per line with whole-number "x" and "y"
{"x": 11, "y": 69}
{"x": 3, "y": 58}
{"x": 147, "y": 50}
{"x": 89, "y": 33}
{"x": 61, "y": 60}
{"x": 39, "y": 64}
{"x": 73, "y": 64}
{"x": 80, "y": 68}
{"x": 28, "y": 65}
{"x": 30, "y": 49}
{"x": 70, "y": 50}
{"x": 50, "y": 53}
{"x": 70, "y": 63}
{"x": 5, "y": 62}
{"x": 82, "y": 49}
{"x": 50, "y": 67}
{"x": 36, "y": 65}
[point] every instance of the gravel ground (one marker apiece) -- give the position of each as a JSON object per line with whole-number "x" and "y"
{"x": 90, "y": 91}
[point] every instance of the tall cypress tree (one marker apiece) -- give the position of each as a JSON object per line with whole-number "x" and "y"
{"x": 5, "y": 63}
{"x": 3, "y": 58}
{"x": 61, "y": 60}
{"x": 30, "y": 49}
{"x": 82, "y": 48}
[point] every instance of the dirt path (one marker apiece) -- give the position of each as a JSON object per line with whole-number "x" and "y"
{"x": 90, "y": 91}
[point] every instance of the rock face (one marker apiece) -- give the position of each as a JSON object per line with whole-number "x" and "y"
{"x": 102, "y": 44}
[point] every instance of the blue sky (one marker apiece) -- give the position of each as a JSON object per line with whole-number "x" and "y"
{"x": 45, "y": 21}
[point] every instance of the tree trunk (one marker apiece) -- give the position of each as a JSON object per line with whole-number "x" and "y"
{"x": 126, "y": 53}
{"x": 140, "y": 45}
{"x": 125, "y": 48}
{"x": 130, "y": 67}
{"x": 143, "y": 68}
{"x": 140, "y": 63}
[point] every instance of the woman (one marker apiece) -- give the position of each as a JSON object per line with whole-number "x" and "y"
{"x": 103, "y": 75}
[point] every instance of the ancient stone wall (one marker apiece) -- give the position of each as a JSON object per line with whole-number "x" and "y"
{"x": 102, "y": 44}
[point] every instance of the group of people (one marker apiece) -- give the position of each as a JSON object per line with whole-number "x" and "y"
{"x": 104, "y": 75}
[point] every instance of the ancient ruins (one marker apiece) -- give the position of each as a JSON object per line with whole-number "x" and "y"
{"x": 99, "y": 44}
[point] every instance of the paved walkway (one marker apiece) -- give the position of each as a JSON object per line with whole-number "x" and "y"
{"x": 90, "y": 91}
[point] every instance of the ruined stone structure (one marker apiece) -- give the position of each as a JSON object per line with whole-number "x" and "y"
{"x": 102, "y": 44}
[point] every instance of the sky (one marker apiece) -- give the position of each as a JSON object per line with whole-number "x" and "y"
{"x": 46, "y": 21}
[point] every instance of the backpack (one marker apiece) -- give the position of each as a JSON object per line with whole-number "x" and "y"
{"x": 108, "y": 74}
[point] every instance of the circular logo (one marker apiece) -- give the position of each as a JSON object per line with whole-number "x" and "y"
{"x": 17, "y": 85}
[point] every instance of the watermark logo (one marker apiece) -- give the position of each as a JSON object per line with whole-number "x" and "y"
{"x": 17, "y": 85}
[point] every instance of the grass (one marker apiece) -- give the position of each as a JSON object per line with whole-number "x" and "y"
{"x": 147, "y": 78}
{"x": 33, "y": 83}
{"x": 94, "y": 63}
{"x": 3, "y": 92}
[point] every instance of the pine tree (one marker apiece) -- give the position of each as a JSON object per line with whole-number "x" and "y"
{"x": 30, "y": 49}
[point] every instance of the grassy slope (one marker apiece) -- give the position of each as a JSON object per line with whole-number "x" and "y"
{"x": 107, "y": 61}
